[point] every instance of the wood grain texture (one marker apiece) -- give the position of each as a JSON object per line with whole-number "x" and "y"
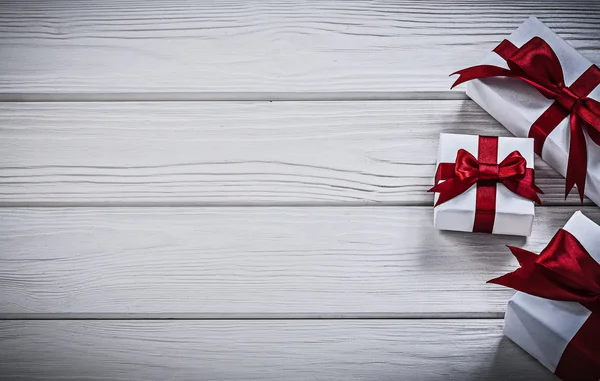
{"x": 263, "y": 350}
{"x": 284, "y": 262}
{"x": 199, "y": 153}
{"x": 264, "y": 46}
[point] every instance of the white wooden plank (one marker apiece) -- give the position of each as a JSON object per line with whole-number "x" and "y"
{"x": 241, "y": 46}
{"x": 197, "y": 153}
{"x": 224, "y": 262}
{"x": 263, "y": 350}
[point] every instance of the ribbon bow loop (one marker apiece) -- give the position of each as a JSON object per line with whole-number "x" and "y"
{"x": 536, "y": 62}
{"x": 567, "y": 262}
{"x": 564, "y": 270}
{"x": 538, "y": 65}
{"x": 589, "y": 110}
{"x": 513, "y": 166}
{"x": 468, "y": 167}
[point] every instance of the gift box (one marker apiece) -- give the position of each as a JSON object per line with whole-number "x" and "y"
{"x": 485, "y": 184}
{"x": 555, "y": 315}
{"x": 538, "y": 86}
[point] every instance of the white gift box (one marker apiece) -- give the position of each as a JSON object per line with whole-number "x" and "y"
{"x": 544, "y": 327}
{"x": 514, "y": 214}
{"x": 518, "y": 105}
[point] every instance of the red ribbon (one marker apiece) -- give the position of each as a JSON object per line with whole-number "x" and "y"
{"x": 536, "y": 64}
{"x": 565, "y": 271}
{"x": 486, "y": 173}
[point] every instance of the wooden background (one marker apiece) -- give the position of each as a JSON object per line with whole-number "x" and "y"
{"x": 228, "y": 190}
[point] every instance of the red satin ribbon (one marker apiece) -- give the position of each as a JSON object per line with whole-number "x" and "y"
{"x": 536, "y": 64}
{"x": 486, "y": 173}
{"x": 565, "y": 271}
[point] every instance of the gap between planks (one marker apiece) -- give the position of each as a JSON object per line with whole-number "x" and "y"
{"x": 217, "y": 204}
{"x": 253, "y": 316}
{"x": 233, "y": 96}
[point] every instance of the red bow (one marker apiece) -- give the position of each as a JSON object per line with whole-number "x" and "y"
{"x": 536, "y": 64}
{"x": 512, "y": 172}
{"x": 565, "y": 271}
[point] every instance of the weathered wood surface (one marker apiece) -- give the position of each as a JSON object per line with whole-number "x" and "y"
{"x": 237, "y": 46}
{"x": 223, "y": 215}
{"x": 263, "y": 350}
{"x": 284, "y": 262}
{"x": 259, "y": 153}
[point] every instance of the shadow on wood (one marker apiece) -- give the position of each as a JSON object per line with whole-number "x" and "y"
{"x": 510, "y": 360}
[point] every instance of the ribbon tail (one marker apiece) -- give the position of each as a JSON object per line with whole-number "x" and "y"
{"x": 481, "y": 71}
{"x": 524, "y": 189}
{"x": 515, "y": 280}
{"x": 524, "y": 257}
{"x": 518, "y": 278}
{"x": 530, "y": 280}
{"x": 594, "y": 134}
{"x": 486, "y": 71}
{"x": 451, "y": 188}
{"x": 439, "y": 188}
{"x": 589, "y": 111}
{"x": 577, "y": 162}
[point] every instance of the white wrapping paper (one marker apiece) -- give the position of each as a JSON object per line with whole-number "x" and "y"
{"x": 544, "y": 327}
{"x": 514, "y": 214}
{"x": 517, "y": 105}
